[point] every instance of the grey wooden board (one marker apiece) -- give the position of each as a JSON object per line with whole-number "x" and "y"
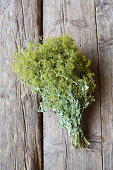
{"x": 104, "y": 13}
{"x": 78, "y": 19}
{"x": 20, "y": 124}
{"x": 90, "y": 24}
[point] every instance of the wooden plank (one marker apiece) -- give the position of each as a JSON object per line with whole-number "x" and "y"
{"x": 105, "y": 49}
{"x": 77, "y": 18}
{"x": 20, "y": 124}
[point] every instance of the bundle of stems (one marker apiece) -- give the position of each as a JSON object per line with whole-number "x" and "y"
{"x": 61, "y": 74}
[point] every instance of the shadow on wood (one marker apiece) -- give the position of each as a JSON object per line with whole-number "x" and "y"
{"x": 88, "y": 118}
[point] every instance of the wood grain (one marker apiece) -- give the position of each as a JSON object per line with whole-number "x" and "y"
{"x": 104, "y": 11}
{"x": 90, "y": 24}
{"x": 20, "y": 124}
{"x": 78, "y": 19}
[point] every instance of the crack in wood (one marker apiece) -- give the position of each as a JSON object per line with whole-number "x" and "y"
{"x": 99, "y": 79}
{"x": 17, "y": 25}
{"x": 66, "y": 159}
{"x": 63, "y": 16}
{"x": 24, "y": 125}
{"x": 23, "y": 18}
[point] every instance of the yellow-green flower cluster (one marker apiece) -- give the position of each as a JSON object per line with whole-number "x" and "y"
{"x": 61, "y": 74}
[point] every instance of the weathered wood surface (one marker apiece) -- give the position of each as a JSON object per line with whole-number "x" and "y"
{"x": 104, "y": 15}
{"x": 20, "y": 124}
{"x": 90, "y": 24}
{"x": 78, "y": 18}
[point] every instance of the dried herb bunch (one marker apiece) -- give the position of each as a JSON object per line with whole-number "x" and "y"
{"x": 60, "y": 73}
